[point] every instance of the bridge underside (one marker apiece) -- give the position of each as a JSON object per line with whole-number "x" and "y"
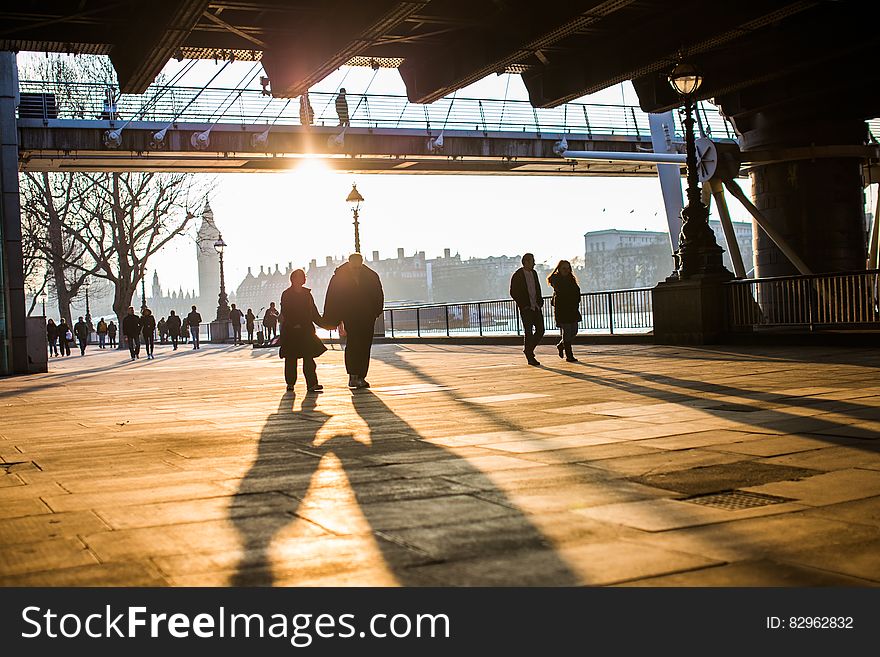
{"x": 67, "y": 147}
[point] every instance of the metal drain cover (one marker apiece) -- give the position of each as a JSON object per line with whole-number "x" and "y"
{"x": 736, "y": 500}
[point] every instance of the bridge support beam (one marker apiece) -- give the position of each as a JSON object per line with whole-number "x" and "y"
{"x": 13, "y": 331}
{"x": 817, "y": 206}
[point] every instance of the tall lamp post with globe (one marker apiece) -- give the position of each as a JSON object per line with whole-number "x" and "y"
{"x": 221, "y": 325}
{"x": 355, "y": 199}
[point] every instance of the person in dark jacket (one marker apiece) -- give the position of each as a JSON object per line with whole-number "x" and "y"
{"x": 192, "y": 323}
{"x": 81, "y": 331}
{"x": 148, "y": 330}
{"x": 525, "y": 289}
{"x": 249, "y": 320}
{"x": 162, "y": 327}
{"x": 65, "y": 335}
{"x": 566, "y": 306}
{"x": 342, "y": 109}
{"x": 270, "y": 322}
{"x": 235, "y": 317}
{"x": 355, "y": 298}
{"x": 101, "y": 330}
{"x": 131, "y": 329}
{"x": 298, "y": 339}
{"x": 52, "y": 336}
{"x": 111, "y": 333}
{"x": 173, "y": 327}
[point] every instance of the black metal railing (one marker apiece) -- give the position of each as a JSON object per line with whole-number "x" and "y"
{"x": 847, "y": 300}
{"x": 612, "y": 311}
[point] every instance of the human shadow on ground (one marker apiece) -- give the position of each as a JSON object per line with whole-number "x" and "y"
{"x": 423, "y": 504}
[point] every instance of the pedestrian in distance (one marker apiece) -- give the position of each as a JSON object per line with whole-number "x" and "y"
{"x": 298, "y": 338}
{"x": 52, "y": 336}
{"x": 249, "y": 320}
{"x": 131, "y": 329}
{"x": 236, "y": 318}
{"x": 111, "y": 333}
{"x": 173, "y": 327}
{"x": 355, "y": 298}
{"x": 65, "y": 335}
{"x": 270, "y": 322}
{"x": 163, "y": 330}
{"x": 101, "y": 330}
{"x": 525, "y": 289}
{"x": 342, "y": 108}
{"x": 566, "y": 303}
{"x": 193, "y": 320}
{"x": 148, "y": 330}
{"x": 81, "y": 331}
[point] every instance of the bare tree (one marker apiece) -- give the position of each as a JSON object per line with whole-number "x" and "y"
{"x": 51, "y": 204}
{"x": 127, "y": 217}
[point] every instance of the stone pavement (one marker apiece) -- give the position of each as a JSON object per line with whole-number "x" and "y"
{"x": 641, "y": 465}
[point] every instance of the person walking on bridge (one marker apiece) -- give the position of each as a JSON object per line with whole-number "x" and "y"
{"x": 525, "y": 289}
{"x": 249, "y": 320}
{"x": 355, "y": 298}
{"x": 342, "y": 109}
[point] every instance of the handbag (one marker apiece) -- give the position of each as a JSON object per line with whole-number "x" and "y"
{"x": 68, "y": 336}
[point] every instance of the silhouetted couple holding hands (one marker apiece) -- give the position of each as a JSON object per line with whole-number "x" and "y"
{"x": 354, "y": 299}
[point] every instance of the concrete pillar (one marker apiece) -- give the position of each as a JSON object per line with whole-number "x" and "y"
{"x": 817, "y": 206}
{"x": 13, "y": 329}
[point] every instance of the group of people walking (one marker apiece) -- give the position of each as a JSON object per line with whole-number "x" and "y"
{"x": 60, "y": 335}
{"x": 142, "y": 330}
{"x": 525, "y": 290}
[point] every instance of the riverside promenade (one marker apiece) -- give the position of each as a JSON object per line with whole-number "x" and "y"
{"x": 461, "y": 466}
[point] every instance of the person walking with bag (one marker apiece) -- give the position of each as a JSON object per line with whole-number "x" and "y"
{"x": 65, "y": 335}
{"x": 566, "y": 305}
{"x": 525, "y": 289}
{"x": 81, "y": 330}
{"x": 298, "y": 338}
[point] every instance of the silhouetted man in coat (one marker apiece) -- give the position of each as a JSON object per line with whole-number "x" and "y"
{"x": 525, "y": 288}
{"x": 131, "y": 329}
{"x": 173, "y": 327}
{"x": 355, "y": 297}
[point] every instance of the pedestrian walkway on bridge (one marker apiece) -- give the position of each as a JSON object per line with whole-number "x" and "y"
{"x": 640, "y": 465}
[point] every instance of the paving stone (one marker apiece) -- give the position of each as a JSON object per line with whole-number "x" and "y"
{"x": 111, "y": 499}
{"x": 48, "y": 555}
{"x": 830, "y": 458}
{"x": 47, "y": 526}
{"x": 827, "y": 488}
{"x": 859, "y": 559}
{"x": 663, "y": 461}
{"x": 104, "y": 574}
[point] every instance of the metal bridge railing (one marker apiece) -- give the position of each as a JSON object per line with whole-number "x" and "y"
{"x": 163, "y": 104}
{"x": 620, "y": 311}
{"x": 815, "y": 302}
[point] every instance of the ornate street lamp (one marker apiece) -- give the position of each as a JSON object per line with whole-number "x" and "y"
{"x": 144, "y": 291}
{"x": 43, "y": 299}
{"x": 223, "y": 305}
{"x": 88, "y": 283}
{"x": 698, "y": 253}
{"x": 354, "y": 197}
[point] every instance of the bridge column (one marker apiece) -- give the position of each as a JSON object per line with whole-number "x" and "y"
{"x": 816, "y": 205}
{"x": 13, "y": 332}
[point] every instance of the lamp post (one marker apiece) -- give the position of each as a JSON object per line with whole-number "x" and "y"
{"x": 43, "y": 299}
{"x": 144, "y": 290}
{"x": 698, "y": 253}
{"x": 87, "y": 283}
{"x": 354, "y": 197}
{"x": 223, "y": 305}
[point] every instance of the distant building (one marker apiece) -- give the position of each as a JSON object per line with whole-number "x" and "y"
{"x": 620, "y": 259}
